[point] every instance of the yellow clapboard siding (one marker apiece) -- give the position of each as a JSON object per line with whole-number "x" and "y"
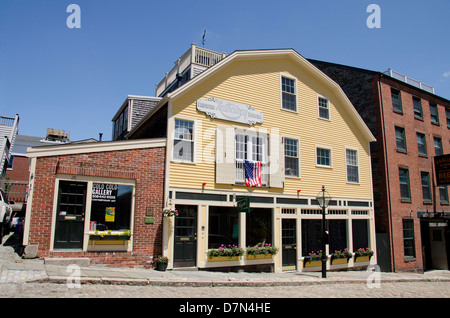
{"x": 258, "y": 83}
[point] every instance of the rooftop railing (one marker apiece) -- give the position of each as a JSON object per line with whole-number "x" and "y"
{"x": 195, "y": 55}
{"x": 409, "y": 80}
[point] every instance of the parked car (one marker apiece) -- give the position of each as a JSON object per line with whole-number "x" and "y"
{"x": 5, "y": 215}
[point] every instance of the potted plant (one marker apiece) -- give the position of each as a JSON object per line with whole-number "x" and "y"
{"x": 170, "y": 212}
{"x": 161, "y": 263}
{"x": 313, "y": 259}
{"x": 340, "y": 257}
{"x": 225, "y": 253}
{"x": 261, "y": 250}
{"x": 363, "y": 254}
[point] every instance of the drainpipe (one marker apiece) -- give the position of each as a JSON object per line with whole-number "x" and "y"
{"x": 388, "y": 179}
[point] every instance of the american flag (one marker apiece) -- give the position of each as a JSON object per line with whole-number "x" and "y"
{"x": 252, "y": 173}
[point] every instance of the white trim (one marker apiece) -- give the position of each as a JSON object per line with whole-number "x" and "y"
{"x": 171, "y": 138}
{"x": 298, "y": 156}
{"x": 331, "y": 156}
{"x": 77, "y": 148}
{"x": 26, "y": 232}
{"x": 328, "y": 107}
{"x": 357, "y": 163}
{"x": 288, "y": 76}
{"x": 286, "y": 53}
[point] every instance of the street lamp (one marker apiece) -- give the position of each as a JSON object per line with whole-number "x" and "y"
{"x": 323, "y": 199}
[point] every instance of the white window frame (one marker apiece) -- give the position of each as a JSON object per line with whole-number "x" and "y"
{"x": 298, "y": 156}
{"x": 194, "y": 125}
{"x": 249, "y": 154}
{"x": 331, "y": 156}
{"x": 295, "y": 92}
{"x": 357, "y": 165}
{"x": 319, "y": 97}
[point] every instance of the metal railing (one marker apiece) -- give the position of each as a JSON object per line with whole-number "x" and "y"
{"x": 195, "y": 55}
{"x": 409, "y": 80}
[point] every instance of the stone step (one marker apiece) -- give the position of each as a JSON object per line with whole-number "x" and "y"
{"x": 65, "y": 261}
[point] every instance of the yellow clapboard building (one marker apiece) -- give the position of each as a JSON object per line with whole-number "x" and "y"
{"x": 252, "y": 138}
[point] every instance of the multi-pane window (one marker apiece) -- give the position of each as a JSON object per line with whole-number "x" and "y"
{"x": 438, "y": 146}
{"x": 183, "y": 140}
{"x": 426, "y": 187}
{"x": 323, "y": 157}
{"x": 324, "y": 109}
{"x": 252, "y": 147}
{"x": 417, "y": 104}
{"x": 421, "y": 144}
{"x": 291, "y": 157}
{"x": 443, "y": 194}
{"x": 396, "y": 100}
{"x": 408, "y": 238}
{"x": 400, "y": 138}
{"x": 289, "y": 98}
{"x": 434, "y": 114}
{"x": 352, "y": 165}
{"x": 405, "y": 193}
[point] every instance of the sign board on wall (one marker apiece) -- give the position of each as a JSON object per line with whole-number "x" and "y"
{"x": 442, "y": 169}
{"x": 232, "y": 111}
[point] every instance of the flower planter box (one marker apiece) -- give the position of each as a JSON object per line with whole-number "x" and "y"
{"x": 223, "y": 258}
{"x": 362, "y": 258}
{"x": 161, "y": 266}
{"x": 259, "y": 256}
{"x": 109, "y": 237}
{"x": 307, "y": 263}
{"x": 336, "y": 261}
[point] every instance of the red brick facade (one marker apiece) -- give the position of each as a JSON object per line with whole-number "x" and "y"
{"x": 415, "y": 163}
{"x": 144, "y": 166}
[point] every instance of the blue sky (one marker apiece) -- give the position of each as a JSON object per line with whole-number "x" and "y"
{"x": 75, "y": 79}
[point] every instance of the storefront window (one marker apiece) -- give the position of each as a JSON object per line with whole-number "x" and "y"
{"x": 111, "y": 207}
{"x": 338, "y": 235}
{"x": 223, "y": 226}
{"x": 259, "y": 227}
{"x": 311, "y": 236}
{"x": 360, "y": 234}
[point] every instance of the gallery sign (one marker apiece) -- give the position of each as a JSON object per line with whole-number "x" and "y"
{"x": 442, "y": 168}
{"x": 232, "y": 111}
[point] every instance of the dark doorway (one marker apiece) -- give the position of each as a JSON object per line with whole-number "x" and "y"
{"x": 70, "y": 212}
{"x": 185, "y": 245}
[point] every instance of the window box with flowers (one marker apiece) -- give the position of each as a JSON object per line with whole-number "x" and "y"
{"x": 123, "y": 235}
{"x": 340, "y": 257}
{"x": 261, "y": 251}
{"x": 363, "y": 255}
{"x": 314, "y": 259}
{"x": 225, "y": 253}
{"x": 161, "y": 263}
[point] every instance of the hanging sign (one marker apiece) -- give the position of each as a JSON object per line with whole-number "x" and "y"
{"x": 442, "y": 168}
{"x": 243, "y": 204}
{"x": 232, "y": 111}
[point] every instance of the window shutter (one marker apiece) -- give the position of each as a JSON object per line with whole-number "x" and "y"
{"x": 276, "y": 161}
{"x": 225, "y": 155}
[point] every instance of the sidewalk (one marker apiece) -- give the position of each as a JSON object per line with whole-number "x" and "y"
{"x": 13, "y": 269}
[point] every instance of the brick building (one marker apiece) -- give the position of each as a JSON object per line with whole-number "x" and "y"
{"x": 411, "y": 124}
{"x": 98, "y": 200}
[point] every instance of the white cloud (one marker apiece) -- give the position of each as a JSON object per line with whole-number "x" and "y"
{"x": 446, "y": 74}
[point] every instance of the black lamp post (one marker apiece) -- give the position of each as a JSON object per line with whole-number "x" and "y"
{"x": 323, "y": 199}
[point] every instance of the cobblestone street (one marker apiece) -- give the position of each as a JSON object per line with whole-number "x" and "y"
{"x": 341, "y": 290}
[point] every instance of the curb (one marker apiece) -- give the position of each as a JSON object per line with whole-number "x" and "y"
{"x": 149, "y": 282}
